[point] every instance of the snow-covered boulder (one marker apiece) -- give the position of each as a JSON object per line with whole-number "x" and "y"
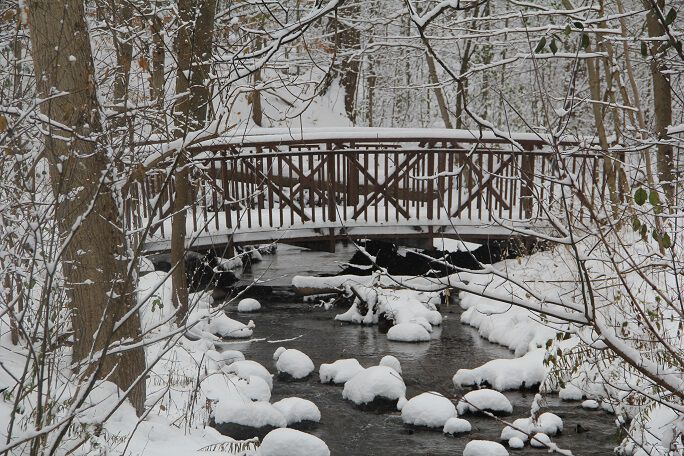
{"x": 547, "y": 423}
{"x": 520, "y": 429}
{"x": 591, "y": 404}
{"x": 292, "y": 364}
{"x": 243, "y": 419}
{"x": 571, "y": 392}
{"x": 540, "y": 440}
{"x": 230, "y": 356}
{"x": 248, "y": 367}
{"x": 550, "y": 423}
{"x": 455, "y": 426}
{"x": 378, "y": 387}
{"x": 391, "y": 361}
{"x": 484, "y": 448}
{"x": 290, "y": 442}
{"x": 298, "y": 411}
{"x": 248, "y": 305}
{"x": 484, "y": 400}
{"x": 340, "y": 371}
{"x": 506, "y": 374}
{"x": 408, "y": 332}
{"x": 428, "y": 409}
{"x": 516, "y": 443}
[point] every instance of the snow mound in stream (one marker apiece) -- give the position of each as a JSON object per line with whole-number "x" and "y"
{"x": 246, "y": 368}
{"x": 456, "y": 426}
{"x": 293, "y": 362}
{"x": 248, "y": 305}
{"x": 340, "y": 371}
{"x": 290, "y": 442}
{"x": 506, "y": 374}
{"x": 547, "y": 423}
{"x": 484, "y": 448}
{"x": 377, "y": 382}
{"x": 391, "y": 361}
{"x": 408, "y": 332}
{"x": 428, "y": 409}
{"x": 484, "y": 400}
{"x": 255, "y": 414}
{"x": 295, "y": 410}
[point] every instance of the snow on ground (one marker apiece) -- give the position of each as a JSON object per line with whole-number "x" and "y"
{"x": 296, "y": 410}
{"x": 484, "y": 448}
{"x": 340, "y": 371}
{"x": 454, "y": 245}
{"x": 248, "y": 305}
{"x": 429, "y": 409}
{"x": 290, "y": 442}
{"x": 377, "y": 382}
{"x": 293, "y": 363}
{"x": 391, "y": 361}
{"x": 484, "y": 400}
{"x": 456, "y": 425}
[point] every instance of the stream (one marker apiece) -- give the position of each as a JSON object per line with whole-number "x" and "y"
{"x": 427, "y": 366}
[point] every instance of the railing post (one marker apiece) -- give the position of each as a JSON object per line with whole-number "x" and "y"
{"x": 527, "y": 174}
{"x": 430, "y": 185}
{"x": 352, "y": 179}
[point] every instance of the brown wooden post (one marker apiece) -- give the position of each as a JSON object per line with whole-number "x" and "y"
{"x": 352, "y": 178}
{"x": 430, "y": 185}
{"x": 527, "y": 174}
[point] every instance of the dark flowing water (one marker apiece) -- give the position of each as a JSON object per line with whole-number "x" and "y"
{"x": 426, "y": 367}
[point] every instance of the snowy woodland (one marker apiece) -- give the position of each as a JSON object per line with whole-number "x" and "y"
{"x": 102, "y": 354}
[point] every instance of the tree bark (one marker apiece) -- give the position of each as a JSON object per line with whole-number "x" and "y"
{"x": 94, "y": 262}
{"x": 662, "y": 100}
{"x": 194, "y": 47}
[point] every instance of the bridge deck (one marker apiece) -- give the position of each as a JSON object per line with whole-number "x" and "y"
{"x": 275, "y": 184}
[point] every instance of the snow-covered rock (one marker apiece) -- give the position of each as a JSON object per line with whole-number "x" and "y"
{"x": 516, "y": 443}
{"x": 245, "y": 368}
{"x": 484, "y": 448}
{"x": 408, "y": 332}
{"x": 248, "y": 305}
{"x": 391, "y": 361}
{"x": 293, "y": 364}
{"x": 243, "y": 419}
{"x": 540, "y": 440}
{"x": 456, "y": 426}
{"x": 230, "y": 356}
{"x": 520, "y": 429}
{"x": 571, "y": 392}
{"x": 506, "y": 374}
{"x": 484, "y": 400}
{"x": 297, "y": 410}
{"x": 590, "y": 404}
{"x": 290, "y": 442}
{"x": 428, "y": 409}
{"x": 340, "y": 371}
{"x": 550, "y": 423}
{"x": 379, "y": 386}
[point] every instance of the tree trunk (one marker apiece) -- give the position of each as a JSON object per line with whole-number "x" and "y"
{"x": 662, "y": 100}
{"x": 94, "y": 262}
{"x": 194, "y": 47}
{"x": 348, "y": 39}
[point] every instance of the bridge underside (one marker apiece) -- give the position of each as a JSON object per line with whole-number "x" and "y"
{"x": 324, "y": 237}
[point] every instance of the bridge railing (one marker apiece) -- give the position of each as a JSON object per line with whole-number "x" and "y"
{"x": 322, "y": 183}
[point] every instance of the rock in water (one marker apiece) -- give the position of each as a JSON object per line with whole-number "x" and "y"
{"x": 290, "y": 442}
{"x": 377, "y": 388}
{"x": 484, "y": 400}
{"x": 428, "y": 409}
{"x": 484, "y": 448}
{"x": 292, "y": 364}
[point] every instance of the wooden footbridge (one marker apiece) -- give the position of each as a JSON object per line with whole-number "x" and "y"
{"x": 326, "y": 184}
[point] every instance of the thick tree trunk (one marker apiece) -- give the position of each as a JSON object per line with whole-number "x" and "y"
{"x": 94, "y": 262}
{"x": 662, "y": 100}
{"x": 194, "y": 48}
{"x": 348, "y": 39}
